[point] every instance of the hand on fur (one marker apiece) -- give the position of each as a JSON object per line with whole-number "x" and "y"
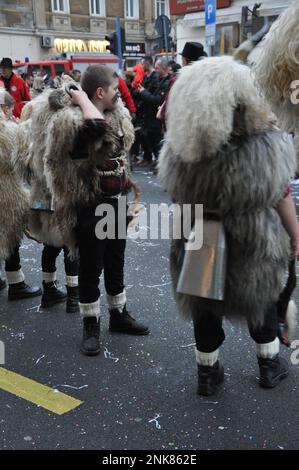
{"x": 78, "y": 97}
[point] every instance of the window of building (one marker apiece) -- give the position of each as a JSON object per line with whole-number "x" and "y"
{"x": 97, "y": 7}
{"x": 132, "y": 9}
{"x": 162, "y": 8}
{"x": 60, "y": 6}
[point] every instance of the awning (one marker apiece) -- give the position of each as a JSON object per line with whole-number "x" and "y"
{"x": 232, "y": 14}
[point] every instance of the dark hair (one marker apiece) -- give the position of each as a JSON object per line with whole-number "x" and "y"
{"x": 174, "y": 66}
{"x": 148, "y": 59}
{"x": 97, "y": 76}
{"x": 76, "y": 71}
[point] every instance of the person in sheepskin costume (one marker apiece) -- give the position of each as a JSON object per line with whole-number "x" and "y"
{"x": 14, "y": 205}
{"x": 43, "y": 225}
{"x": 277, "y": 70}
{"x": 89, "y": 135}
{"x": 222, "y": 151}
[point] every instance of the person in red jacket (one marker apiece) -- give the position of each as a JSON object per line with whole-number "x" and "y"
{"x": 15, "y": 86}
{"x": 126, "y": 95}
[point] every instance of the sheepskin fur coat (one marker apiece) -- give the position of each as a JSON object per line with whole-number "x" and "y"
{"x": 75, "y": 183}
{"x": 14, "y": 199}
{"x": 32, "y": 136}
{"x": 222, "y": 151}
{"x": 277, "y": 70}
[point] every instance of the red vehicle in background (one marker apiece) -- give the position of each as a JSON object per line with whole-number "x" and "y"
{"x": 53, "y": 68}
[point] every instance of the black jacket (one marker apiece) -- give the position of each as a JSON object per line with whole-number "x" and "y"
{"x": 152, "y": 97}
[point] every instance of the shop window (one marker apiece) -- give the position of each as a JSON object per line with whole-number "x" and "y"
{"x": 227, "y": 39}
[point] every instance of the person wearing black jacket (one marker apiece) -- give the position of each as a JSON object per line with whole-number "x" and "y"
{"x": 152, "y": 95}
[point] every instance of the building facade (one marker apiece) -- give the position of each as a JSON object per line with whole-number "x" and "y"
{"x": 40, "y": 29}
{"x": 230, "y": 30}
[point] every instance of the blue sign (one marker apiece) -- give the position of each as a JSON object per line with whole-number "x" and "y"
{"x": 211, "y": 12}
{"x": 211, "y": 9}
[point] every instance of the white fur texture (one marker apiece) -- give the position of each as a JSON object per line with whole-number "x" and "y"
{"x": 278, "y": 67}
{"x": 202, "y": 104}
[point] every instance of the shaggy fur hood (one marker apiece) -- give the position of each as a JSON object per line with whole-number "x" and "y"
{"x": 209, "y": 102}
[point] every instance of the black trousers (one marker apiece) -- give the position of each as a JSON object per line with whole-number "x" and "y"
{"x": 97, "y": 255}
{"x": 49, "y": 256}
{"x": 151, "y": 143}
{"x": 209, "y": 334}
{"x": 13, "y": 263}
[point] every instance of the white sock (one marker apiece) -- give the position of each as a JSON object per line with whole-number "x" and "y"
{"x": 71, "y": 281}
{"x": 117, "y": 302}
{"x": 268, "y": 350}
{"x": 90, "y": 310}
{"x": 15, "y": 277}
{"x": 206, "y": 359}
{"x": 49, "y": 277}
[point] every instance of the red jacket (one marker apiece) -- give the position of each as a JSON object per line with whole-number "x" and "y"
{"x": 19, "y": 91}
{"x": 126, "y": 95}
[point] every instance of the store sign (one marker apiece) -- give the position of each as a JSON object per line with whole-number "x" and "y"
{"x": 78, "y": 45}
{"x": 134, "y": 49}
{"x": 181, "y": 7}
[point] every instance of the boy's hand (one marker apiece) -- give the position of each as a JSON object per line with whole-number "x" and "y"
{"x": 79, "y": 97}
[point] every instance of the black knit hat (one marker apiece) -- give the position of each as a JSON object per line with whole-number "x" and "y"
{"x": 193, "y": 51}
{"x": 6, "y": 63}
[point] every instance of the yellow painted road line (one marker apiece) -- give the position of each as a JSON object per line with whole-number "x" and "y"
{"x": 41, "y": 395}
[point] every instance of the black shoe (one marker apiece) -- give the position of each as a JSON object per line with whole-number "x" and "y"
{"x": 22, "y": 291}
{"x": 2, "y": 284}
{"x": 52, "y": 295}
{"x": 272, "y": 371}
{"x": 72, "y": 303}
{"x": 91, "y": 336}
{"x": 122, "y": 322}
{"x": 209, "y": 379}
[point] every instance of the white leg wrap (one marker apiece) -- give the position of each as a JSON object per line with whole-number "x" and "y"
{"x": 206, "y": 359}
{"x": 268, "y": 350}
{"x": 117, "y": 302}
{"x": 71, "y": 281}
{"x": 49, "y": 277}
{"x": 90, "y": 310}
{"x": 15, "y": 277}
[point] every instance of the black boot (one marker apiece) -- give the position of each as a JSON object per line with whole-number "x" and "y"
{"x": 22, "y": 291}
{"x": 272, "y": 371}
{"x": 72, "y": 303}
{"x": 209, "y": 379}
{"x": 52, "y": 295}
{"x": 2, "y": 284}
{"x": 122, "y": 322}
{"x": 91, "y": 336}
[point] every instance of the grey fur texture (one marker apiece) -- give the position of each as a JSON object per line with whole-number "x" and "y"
{"x": 32, "y": 137}
{"x": 244, "y": 182}
{"x": 14, "y": 199}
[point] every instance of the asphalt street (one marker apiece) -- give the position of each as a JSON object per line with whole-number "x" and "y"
{"x": 140, "y": 393}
